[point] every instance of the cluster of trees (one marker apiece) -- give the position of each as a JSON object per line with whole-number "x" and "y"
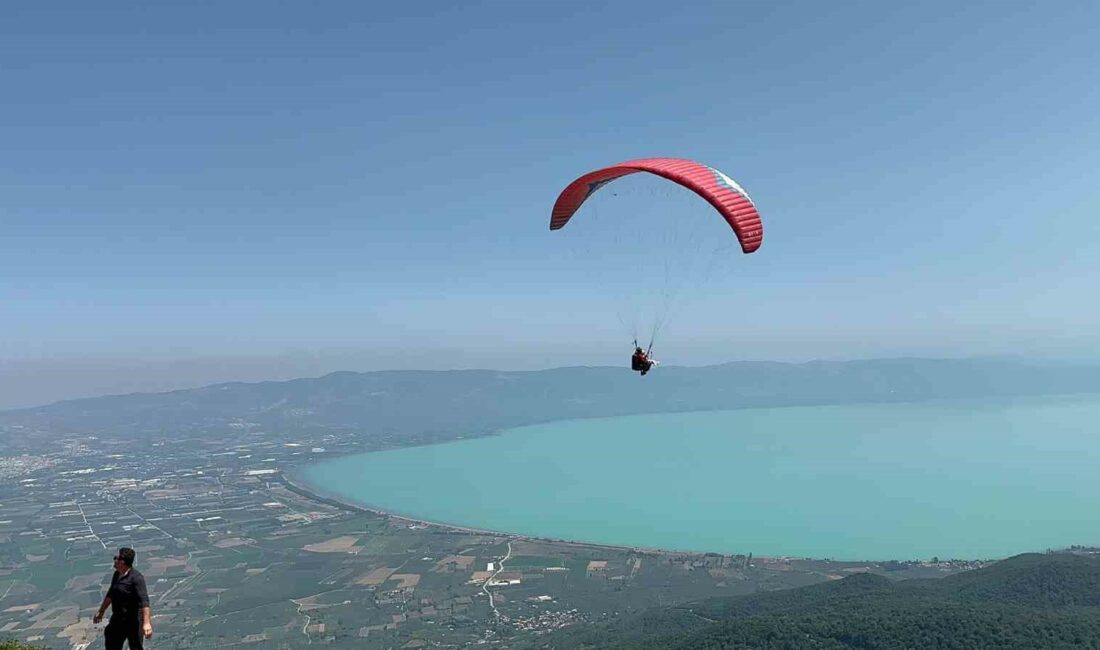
{"x": 1029, "y": 601}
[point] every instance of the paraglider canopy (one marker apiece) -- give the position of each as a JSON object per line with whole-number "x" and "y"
{"x": 669, "y": 258}
{"x": 722, "y": 192}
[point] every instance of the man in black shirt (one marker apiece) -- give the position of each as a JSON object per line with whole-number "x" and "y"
{"x": 130, "y": 617}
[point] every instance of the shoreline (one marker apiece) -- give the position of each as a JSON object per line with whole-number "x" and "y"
{"x": 295, "y": 484}
{"x": 298, "y": 485}
{"x": 294, "y": 479}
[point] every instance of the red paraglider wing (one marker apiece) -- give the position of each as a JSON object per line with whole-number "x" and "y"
{"x": 731, "y": 201}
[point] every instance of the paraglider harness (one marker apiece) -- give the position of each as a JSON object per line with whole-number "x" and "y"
{"x": 639, "y": 361}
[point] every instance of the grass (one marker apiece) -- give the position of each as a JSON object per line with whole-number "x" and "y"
{"x": 534, "y": 561}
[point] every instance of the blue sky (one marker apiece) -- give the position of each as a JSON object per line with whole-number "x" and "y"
{"x": 371, "y": 181}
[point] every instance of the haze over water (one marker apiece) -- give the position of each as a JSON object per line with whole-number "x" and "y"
{"x": 959, "y": 479}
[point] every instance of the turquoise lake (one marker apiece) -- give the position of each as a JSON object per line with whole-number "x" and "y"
{"x": 954, "y": 479}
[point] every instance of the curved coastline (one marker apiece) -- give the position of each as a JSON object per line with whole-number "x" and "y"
{"x": 313, "y": 487}
{"x": 295, "y": 481}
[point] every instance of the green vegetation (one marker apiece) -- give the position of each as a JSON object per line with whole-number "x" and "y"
{"x": 15, "y": 645}
{"x": 1029, "y": 601}
{"x": 532, "y": 561}
{"x": 50, "y": 576}
{"x": 239, "y": 558}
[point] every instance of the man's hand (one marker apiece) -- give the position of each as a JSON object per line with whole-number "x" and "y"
{"x": 148, "y": 630}
{"x": 97, "y": 618}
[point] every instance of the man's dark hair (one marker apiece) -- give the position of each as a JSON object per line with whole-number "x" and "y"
{"x": 126, "y": 555}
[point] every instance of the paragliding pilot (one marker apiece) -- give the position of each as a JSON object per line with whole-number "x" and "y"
{"x": 640, "y": 361}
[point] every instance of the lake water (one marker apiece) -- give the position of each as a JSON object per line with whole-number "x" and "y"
{"x": 960, "y": 479}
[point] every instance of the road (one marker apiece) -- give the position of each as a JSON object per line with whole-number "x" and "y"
{"x": 485, "y": 586}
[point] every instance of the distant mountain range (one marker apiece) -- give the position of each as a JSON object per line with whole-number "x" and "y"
{"x": 451, "y": 403}
{"x": 1027, "y": 601}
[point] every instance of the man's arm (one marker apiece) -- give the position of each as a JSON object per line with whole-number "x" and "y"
{"x": 102, "y": 608}
{"x": 146, "y": 612}
{"x": 147, "y": 622}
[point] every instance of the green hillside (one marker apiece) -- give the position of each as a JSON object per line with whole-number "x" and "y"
{"x": 1028, "y": 601}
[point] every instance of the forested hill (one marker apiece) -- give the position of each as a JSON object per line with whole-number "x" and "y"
{"x": 468, "y": 402}
{"x": 1028, "y": 601}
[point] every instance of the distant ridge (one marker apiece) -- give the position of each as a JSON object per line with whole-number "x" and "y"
{"x": 450, "y": 403}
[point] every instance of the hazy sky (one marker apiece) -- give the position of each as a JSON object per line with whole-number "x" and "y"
{"x": 262, "y": 189}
